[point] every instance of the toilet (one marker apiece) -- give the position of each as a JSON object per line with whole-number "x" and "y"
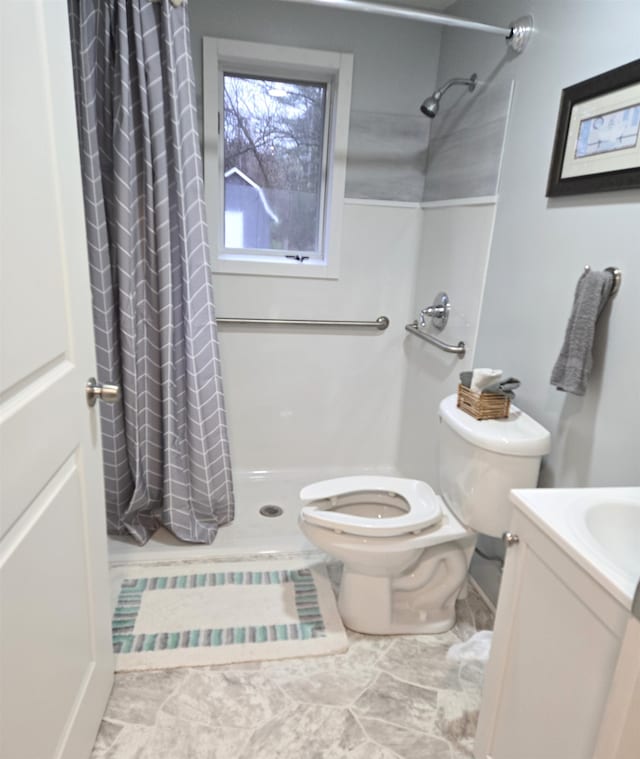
{"x": 405, "y": 549}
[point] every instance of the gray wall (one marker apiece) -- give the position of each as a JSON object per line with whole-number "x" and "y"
{"x": 395, "y": 65}
{"x": 540, "y": 246}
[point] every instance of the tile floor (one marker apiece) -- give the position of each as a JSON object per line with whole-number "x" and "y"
{"x": 385, "y": 698}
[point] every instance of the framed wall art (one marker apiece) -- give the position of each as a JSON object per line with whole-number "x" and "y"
{"x": 597, "y": 142}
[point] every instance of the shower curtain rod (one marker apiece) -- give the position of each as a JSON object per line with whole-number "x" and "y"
{"x": 517, "y": 33}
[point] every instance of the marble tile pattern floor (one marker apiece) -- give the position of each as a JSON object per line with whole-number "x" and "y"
{"x": 387, "y": 697}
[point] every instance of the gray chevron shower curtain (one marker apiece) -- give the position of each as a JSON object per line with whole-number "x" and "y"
{"x": 165, "y": 447}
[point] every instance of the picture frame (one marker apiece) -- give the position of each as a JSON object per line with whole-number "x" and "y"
{"x": 597, "y": 140}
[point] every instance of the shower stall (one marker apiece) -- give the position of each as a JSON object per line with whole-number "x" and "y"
{"x": 313, "y": 401}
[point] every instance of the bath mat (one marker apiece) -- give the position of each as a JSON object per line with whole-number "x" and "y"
{"x": 186, "y": 614}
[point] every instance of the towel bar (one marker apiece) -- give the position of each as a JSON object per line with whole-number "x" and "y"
{"x": 460, "y": 349}
{"x": 617, "y": 278}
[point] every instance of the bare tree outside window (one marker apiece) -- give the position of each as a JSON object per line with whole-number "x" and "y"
{"x": 274, "y": 133}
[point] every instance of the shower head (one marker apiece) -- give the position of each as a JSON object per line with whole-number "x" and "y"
{"x": 431, "y": 104}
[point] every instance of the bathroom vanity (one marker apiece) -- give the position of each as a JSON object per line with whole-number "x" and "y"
{"x": 564, "y": 671}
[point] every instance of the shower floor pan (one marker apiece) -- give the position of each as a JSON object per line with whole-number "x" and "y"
{"x": 250, "y": 533}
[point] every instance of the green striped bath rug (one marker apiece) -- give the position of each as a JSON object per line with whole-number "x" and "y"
{"x": 184, "y": 614}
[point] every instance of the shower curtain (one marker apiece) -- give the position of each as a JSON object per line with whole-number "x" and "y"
{"x": 165, "y": 447}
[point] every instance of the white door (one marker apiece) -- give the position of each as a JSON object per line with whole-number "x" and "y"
{"x": 56, "y": 666}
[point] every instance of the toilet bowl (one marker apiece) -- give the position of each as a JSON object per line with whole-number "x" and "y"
{"x": 406, "y": 550}
{"x": 380, "y": 528}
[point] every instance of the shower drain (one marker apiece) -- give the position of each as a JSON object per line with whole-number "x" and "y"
{"x": 270, "y": 510}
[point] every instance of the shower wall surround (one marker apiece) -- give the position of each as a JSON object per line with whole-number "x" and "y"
{"x": 454, "y": 254}
{"x": 323, "y": 400}
{"x": 466, "y": 143}
{"x": 387, "y": 156}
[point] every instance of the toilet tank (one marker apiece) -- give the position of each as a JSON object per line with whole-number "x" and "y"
{"x": 480, "y": 461}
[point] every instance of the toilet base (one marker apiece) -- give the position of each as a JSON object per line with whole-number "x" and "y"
{"x": 419, "y": 601}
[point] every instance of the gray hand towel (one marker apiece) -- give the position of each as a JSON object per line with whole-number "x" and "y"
{"x": 573, "y": 367}
{"x": 504, "y": 387}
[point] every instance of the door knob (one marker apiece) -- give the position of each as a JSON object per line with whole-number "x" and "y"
{"x": 95, "y": 390}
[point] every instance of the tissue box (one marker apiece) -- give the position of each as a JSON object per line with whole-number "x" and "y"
{"x": 483, "y": 405}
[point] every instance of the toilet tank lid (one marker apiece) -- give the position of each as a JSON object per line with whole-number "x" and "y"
{"x": 517, "y": 435}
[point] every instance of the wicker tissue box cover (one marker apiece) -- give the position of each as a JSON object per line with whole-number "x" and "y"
{"x": 483, "y": 405}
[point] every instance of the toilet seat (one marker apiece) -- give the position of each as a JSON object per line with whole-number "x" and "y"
{"x": 424, "y": 506}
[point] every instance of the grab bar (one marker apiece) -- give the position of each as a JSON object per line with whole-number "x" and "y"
{"x": 460, "y": 349}
{"x": 381, "y": 323}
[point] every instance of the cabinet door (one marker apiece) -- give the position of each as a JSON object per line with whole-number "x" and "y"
{"x": 552, "y": 657}
{"x": 619, "y": 736}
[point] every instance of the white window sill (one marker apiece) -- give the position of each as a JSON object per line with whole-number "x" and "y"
{"x": 267, "y": 266}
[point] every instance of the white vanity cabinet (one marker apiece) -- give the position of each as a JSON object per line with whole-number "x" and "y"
{"x": 619, "y": 736}
{"x": 555, "y": 647}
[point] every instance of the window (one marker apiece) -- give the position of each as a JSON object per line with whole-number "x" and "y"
{"x": 274, "y": 131}
{"x": 276, "y": 122}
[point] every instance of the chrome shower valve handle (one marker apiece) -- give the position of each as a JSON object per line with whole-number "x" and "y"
{"x": 432, "y": 312}
{"x": 438, "y": 311}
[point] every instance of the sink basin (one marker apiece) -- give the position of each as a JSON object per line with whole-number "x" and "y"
{"x": 615, "y": 527}
{"x": 597, "y": 527}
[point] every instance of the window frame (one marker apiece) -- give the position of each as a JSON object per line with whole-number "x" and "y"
{"x": 296, "y": 64}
